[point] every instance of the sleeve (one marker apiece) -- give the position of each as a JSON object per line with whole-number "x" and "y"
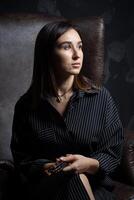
{"x": 109, "y": 149}
{"x": 25, "y": 159}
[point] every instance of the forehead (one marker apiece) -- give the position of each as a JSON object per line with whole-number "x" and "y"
{"x": 70, "y": 35}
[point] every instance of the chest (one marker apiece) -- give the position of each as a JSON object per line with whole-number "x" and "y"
{"x": 60, "y": 107}
{"x": 80, "y": 125}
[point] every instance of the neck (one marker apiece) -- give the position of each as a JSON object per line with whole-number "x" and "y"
{"x": 65, "y": 85}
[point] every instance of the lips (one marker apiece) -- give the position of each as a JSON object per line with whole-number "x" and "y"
{"x": 76, "y": 64}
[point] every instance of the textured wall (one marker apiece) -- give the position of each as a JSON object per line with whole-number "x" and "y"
{"x": 16, "y": 60}
{"x": 119, "y": 48}
{"x": 17, "y": 40}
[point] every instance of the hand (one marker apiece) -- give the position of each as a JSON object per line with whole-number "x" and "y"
{"x": 47, "y": 167}
{"x": 54, "y": 168}
{"x": 80, "y": 164}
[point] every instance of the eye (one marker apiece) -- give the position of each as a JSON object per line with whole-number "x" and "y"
{"x": 80, "y": 46}
{"x": 66, "y": 46}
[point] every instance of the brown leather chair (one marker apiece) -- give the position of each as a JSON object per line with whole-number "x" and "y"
{"x": 125, "y": 174}
{"x": 17, "y": 37}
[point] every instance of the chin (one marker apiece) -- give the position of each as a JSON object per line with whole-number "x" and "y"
{"x": 75, "y": 72}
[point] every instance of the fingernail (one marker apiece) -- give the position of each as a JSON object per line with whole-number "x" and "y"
{"x": 62, "y": 158}
{"x": 65, "y": 169}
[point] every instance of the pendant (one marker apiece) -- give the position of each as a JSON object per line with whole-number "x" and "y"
{"x": 59, "y": 99}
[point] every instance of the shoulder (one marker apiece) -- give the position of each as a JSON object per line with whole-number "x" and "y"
{"x": 104, "y": 92}
{"x": 23, "y": 103}
{"x": 100, "y": 93}
{"x": 109, "y": 101}
{"x": 105, "y": 96}
{"x": 101, "y": 97}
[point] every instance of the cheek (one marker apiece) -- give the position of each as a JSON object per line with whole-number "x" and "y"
{"x": 62, "y": 58}
{"x": 81, "y": 55}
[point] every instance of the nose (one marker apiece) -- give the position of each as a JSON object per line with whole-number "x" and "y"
{"x": 75, "y": 54}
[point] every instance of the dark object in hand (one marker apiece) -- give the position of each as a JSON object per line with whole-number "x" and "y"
{"x": 58, "y": 167}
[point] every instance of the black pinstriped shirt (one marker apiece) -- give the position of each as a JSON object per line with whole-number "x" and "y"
{"x": 90, "y": 126}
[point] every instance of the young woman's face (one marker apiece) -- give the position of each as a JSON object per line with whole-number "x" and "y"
{"x": 68, "y": 54}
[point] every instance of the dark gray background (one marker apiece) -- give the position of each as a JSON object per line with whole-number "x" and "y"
{"x": 119, "y": 46}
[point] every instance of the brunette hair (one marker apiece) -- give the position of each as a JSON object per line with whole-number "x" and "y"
{"x": 43, "y": 80}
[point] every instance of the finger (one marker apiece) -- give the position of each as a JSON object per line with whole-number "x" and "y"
{"x": 48, "y": 165}
{"x": 68, "y": 168}
{"x": 69, "y": 158}
{"x": 47, "y": 168}
{"x": 60, "y": 158}
{"x": 47, "y": 172}
{"x": 69, "y": 154}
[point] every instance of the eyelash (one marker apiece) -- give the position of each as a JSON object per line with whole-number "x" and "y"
{"x": 66, "y": 47}
{"x": 80, "y": 47}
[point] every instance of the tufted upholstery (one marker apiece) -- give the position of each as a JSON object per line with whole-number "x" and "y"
{"x": 17, "y": 37}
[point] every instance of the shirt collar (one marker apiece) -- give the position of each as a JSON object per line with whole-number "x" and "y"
{"x": 78, "y": 93}
{"x": 94, "y": 90}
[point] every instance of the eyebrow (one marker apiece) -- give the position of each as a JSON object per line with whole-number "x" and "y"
{"x": 69, "y": 42}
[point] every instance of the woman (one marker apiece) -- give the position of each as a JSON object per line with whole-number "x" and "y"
{"x": 67, "y": 135}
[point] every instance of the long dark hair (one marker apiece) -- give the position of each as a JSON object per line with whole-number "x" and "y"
{"x": 43, "y": 80}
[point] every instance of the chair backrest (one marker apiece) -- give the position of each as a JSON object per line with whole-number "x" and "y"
{"x": 17, "y": 38}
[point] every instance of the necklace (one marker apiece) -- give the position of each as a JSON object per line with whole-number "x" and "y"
{"x": 59, "y": 98}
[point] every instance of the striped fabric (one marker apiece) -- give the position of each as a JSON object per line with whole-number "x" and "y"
{"x": 90, "y": 126}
